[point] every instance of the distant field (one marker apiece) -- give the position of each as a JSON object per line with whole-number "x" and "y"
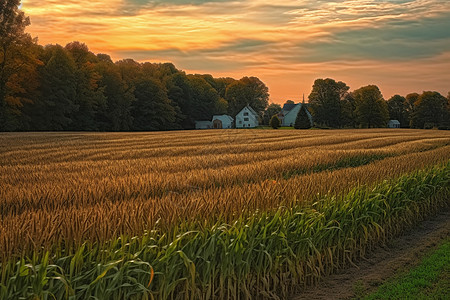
{"x": 60, "y": 190}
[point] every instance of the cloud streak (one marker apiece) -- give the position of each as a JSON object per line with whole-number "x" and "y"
{"x": 301, "y": 39}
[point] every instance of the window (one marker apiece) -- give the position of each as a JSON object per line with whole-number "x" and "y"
{"x": 246, "y": 119}
{"x": 246, "y": 114}
{"x": 240, "y": 122}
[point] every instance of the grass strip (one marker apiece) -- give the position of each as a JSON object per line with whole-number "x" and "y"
{"x": 429, "y": 280}
{"x": 346, "y": 162}
{"x": 266, "y": 255}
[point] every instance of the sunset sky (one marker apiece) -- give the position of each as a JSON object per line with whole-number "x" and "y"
{"x": 402, "y": 46}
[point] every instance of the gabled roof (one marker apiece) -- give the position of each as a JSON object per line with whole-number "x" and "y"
{"x": 223, "y": 116}
{"x": 252, "y": 110}
{"x": 289, "y": 106}
{"x": 300, "y": 105}
{"x": 394, "y": 122}
{"x": 292, "y": 109}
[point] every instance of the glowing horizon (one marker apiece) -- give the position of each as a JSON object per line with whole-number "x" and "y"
{"x": 402, "y": 46}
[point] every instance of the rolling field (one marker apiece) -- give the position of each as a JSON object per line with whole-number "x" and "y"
{"x": 205, "y": 214}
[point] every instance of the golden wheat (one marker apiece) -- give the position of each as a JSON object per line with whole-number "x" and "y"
{"x": 66, "y": 188}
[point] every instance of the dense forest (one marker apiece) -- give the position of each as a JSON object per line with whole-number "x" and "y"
{"x": 70, "y": 88}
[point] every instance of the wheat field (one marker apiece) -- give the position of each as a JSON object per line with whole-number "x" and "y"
{"x": 62, "y": 189}
{"x": 216, "y": 214}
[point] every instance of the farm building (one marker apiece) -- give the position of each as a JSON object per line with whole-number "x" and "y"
{"x": 247, "y": 118}
{"x": 289, "y": 113}
{"x": 393, "y": 124}
{"x": 203, "y": 124}
{"x": 222, "y": 122}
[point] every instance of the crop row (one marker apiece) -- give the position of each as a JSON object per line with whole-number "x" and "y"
{"x": 266, "y": 254}
{"x": 57, "y": 204}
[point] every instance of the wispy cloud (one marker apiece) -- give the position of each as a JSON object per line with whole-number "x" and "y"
{"x": 303, "y": 39}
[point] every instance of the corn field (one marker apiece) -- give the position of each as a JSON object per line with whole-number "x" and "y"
{"x": 226, "y": 214}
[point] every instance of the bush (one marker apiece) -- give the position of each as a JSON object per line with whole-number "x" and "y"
{"x": 274, "y": 122}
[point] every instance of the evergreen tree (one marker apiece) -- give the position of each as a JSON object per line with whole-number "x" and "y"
{"x": 275, "y": 122}
{"x": 302, "y": 120}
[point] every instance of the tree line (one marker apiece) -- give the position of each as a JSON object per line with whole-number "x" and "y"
{"x": 332, "y": 105}
{"x": 70, "y": 88}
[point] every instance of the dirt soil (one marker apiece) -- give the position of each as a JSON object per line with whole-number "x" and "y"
{"x": 384, "y": 262}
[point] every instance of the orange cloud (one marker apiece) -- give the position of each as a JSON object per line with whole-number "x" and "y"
{"x": 402, "y": 46}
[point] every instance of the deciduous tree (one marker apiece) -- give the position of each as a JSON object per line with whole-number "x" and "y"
{"x": 119, "y": 98}
{"x": 90, "y": 97}
{"x": 371, "y": 108}
{"x": 15, "y": 60}
{"x": 58, "y": 91}
{"x": 325, "y": 101}
{"x": 247, "y": 91}
{"x": 398, "y": 110}
{"x": 429, "y": 110}
{"x": 152, "y": 109}
{"x": 272, "y": 109}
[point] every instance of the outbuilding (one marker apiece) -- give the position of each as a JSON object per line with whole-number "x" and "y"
{"x": 222, "y": 122}
{"x": 203, "y": 124}
{"x": 393, "y": 124}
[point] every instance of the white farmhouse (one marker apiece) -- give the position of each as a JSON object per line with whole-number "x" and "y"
{"x": 222, "y": 122}
{"x": 247, "y": 118}
{"x": 289, "y": 113}
{"x": 203, "y": 124}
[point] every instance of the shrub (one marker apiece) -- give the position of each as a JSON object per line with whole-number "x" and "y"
{"x": 275, "y": 122}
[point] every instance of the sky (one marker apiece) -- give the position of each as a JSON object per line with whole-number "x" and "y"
{"x": 399, "y": 45}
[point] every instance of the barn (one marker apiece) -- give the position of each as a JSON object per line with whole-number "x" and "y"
{"x": 222, "y": 122}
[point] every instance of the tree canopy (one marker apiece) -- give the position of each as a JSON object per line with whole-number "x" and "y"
{"x": 371, "y": 108}
{"x": 429, "y": 110}
{"x": 398, "y": 110}
{"x": 16, "y": 61}
{"x": 272, "y": 109}
{"x": 71, "y": 88}
{"x": 247, "y": 91}
{"x": 325, "y": 101}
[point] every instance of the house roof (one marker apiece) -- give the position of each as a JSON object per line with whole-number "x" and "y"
{"x": 289, "y": 106}
{"x": 394, "y": 122}
{"x": 221, "y": 117}
{"x": 252, "y": 110}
